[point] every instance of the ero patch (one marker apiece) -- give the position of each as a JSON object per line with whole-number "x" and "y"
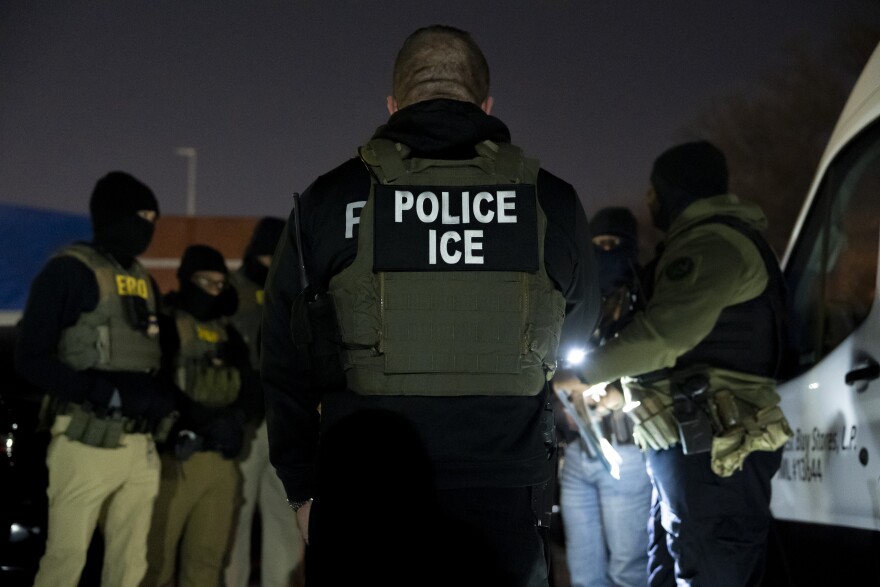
{"x": 680, "y": 268}
{"x": 455, "y": 228}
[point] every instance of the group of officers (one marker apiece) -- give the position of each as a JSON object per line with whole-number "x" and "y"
{"x": 154, "y": 405}
{"x": 348, "y": 330}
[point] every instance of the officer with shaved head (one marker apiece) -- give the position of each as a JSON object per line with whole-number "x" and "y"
{"x": 445, "y": 271}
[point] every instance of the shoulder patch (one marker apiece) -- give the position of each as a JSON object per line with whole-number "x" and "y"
{"x": 679, "y": 268}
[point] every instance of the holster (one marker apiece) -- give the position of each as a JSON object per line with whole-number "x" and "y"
{"x": 691, "y": 407}
{"x": 187, "y": 444}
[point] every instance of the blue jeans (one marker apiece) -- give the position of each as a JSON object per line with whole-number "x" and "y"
{"x": 605, "y": 520}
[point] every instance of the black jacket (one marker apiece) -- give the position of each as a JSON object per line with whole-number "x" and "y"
{"x": 474, "y": 441}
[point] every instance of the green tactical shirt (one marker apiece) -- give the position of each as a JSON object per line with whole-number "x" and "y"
{"x": 701, "y": 271}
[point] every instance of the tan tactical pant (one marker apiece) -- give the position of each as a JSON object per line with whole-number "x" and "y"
{"x": 281, "y": 542}
{"x": 198, "y": 501}
{"x": 118, "y": 485}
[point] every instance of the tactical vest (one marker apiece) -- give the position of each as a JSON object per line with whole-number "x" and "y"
{"x": 248, "y": 317}
{"x": 201, "y": 371}
{"x": 748, "y": 337}
{"x": 105, "y": 338}
{"x": 450, "y": 332}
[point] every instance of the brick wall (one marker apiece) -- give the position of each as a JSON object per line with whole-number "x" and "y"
{"x": 227, "y": 234}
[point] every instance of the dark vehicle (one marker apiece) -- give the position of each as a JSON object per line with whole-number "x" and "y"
{"x": 23, "y": 473}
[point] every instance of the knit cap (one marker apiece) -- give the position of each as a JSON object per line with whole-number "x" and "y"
{"x": 698, "y": 169}
{"x": 200, "y": 258}
{"x": 617, "y": 221}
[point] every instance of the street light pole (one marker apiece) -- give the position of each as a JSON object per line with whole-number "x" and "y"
{"x": 190, "y": 154}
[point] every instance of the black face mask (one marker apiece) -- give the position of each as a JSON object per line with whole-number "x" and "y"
{"x": 615, "y": 267}
{"x": 204, "y": 306}
{"x": 255, "y": 271}
{"x": 125, "y": 238}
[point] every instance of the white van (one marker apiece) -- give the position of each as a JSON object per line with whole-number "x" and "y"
{"x": 826, "y": 495}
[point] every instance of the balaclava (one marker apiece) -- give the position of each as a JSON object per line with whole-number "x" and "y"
{"x": 194, "y": 299}
{"x": 684, "y": 174}
{"x": 263, "y": 242}
{"x": 117, "y": 228}
{"x": 616, "y": 265}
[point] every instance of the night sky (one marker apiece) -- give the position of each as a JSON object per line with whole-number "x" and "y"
{"x": 273, "y": 93}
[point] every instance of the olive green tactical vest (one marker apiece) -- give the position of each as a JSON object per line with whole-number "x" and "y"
{"x": 199, "y": 371}
{"x": 248, "y": 317}
{"x": 449, "y": 333}
{"x": 104, "y": 339}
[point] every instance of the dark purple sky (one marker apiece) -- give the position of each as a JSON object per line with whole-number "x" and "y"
{"x": 272, "y": 93}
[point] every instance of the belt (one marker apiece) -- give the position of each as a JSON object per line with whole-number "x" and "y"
{"x": 138, "y": 425}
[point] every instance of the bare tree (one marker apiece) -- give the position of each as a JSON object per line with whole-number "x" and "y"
{"x": 775, "y": 136}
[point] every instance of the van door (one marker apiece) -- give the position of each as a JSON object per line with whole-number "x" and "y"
{"x": 830, "y": 472}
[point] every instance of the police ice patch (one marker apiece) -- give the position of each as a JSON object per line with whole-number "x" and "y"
{"x": 455, "y": 228}
{"x": 680, "y": 268}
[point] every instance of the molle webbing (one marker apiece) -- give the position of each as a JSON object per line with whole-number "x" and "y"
{"x": 444, "y": 333}
{"x": 104, "y": 339}
{"x": 200, "y": 372}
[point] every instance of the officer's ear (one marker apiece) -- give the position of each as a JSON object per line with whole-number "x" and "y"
{"x": 487, "y": 104}
{"x": 392, "y": 105}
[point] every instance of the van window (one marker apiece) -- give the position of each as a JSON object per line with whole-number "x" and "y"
{"x": 832, "y": 272}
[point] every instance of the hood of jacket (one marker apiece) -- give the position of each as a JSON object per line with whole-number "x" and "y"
{"x": 443, "y": 129}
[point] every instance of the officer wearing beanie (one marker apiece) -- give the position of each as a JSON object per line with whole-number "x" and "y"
{"x": 90, "y": 340}
{"x": 698, "y": 365}
{"x": 208, "y": 360}
{"x": 616, "y": 242}
{"x": 281, "y": 545}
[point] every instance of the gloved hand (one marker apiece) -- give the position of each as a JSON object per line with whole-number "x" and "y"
{"x": 654, "y": 424}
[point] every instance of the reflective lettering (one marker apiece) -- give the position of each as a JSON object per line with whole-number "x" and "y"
{"x": 447, "y": 217}
{"x": 429, "y": 207}
{"x": 431, "y": 198}
{"x": 505, "y": 204}
{"x": 351, "y": 219}
{"x": 403, "y": 200}
{"x": 444, "y": 247}
{"x": 471, "y": 245}
{"x": 479, "y": 215}
{"x": 449, "y": 253}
